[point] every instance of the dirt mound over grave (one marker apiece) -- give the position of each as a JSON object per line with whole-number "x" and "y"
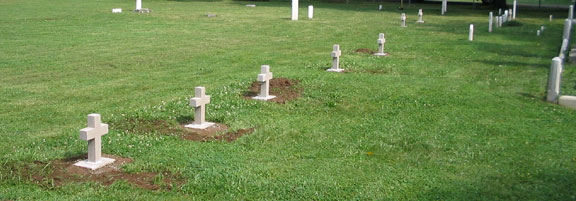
{"x": 365, "y": 50}
{"x": 62, "y": 172}
{"x": 218, "y": 132}
{"x": 283, "y": 88}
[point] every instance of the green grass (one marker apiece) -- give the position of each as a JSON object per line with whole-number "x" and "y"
{"x": 445, "y": 118}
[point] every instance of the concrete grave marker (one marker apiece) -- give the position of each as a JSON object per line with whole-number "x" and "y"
{"x": 542, "y": 28}
{"x": 563, "y": 49}
{"x": 380, "y": 7}
{"x": 505, "y": 16}
{"x": 537, "y": 32}
{"x": 567, "y": 101}
{"x": 199, "y": 103}
{"x": 500, "y": 21}
{"x": 571, "y": 12}
{"x": 116, "y": 10}
{"x": 510, "y": 14}
{"x": 471, "y": 33}
{"x": 138, "y": 4}
{"x": 499, "y": 11}
{"x": 264, "y": 78}
{"x": 93, "y": 134}
{"x": 251, "y": 5}
{"x": 497, "y": 21}
{"x": 567, "y": 29}
{"x": 553, "y": 88}
{"x": 490, "y": 17}
{"x": 444, "y": 6}
{"x": 551, "y": 18}
{"x": 310, "y": 12}
{"x": 294, "y": 9}
{"x": 420, "y": 16}
{"x": 139, "y": 8}
{"x": 514, "y": 10}
{"x": 336, "y": 53}
{"x": 403, "y": 18}
{"x": 381, "y": 42}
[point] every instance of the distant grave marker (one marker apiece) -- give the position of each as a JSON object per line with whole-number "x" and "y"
{"x": 403, "y": 18}
{"x": 294, "y": 9}
{"x": 553, "y": 88}
{"x": 471, "y": 33}
{"x": 490, "y": 17}
{"x": 116, "y": 10}
{"x": 420, "y": 16}
{"x": 381, "y": 42}
{"x": 310, "y": 12}
{"x": 93, "y": 134}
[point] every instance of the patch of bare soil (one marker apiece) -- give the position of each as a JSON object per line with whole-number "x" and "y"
{"x": 61, "y": 172}
{"x": 365, "y": 50}
{"x": 283, "y": 88}
{"x": 217, "y": 132}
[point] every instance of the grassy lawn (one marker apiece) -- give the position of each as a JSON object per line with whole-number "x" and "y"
{"x": 441, "y": 118}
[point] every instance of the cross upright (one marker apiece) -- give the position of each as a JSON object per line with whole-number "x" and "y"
{"x": 403, "y": 18}
{"x": 93, "y": 134}
{"x": 420, "y": 16}
{"x": 381, "y": 42}
{"x": 336, "y": 53}
{"x": 199, "y": 103}
{"x": 264, "y": 78}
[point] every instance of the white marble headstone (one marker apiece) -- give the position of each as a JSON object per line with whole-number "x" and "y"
{"x": 93, "y": 134}
{"x": 336, "y": 53}
{"x": 199, "y": 103}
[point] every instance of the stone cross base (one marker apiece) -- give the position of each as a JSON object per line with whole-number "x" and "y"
{"x": 93, "y": 166}
{"x": 200, "y": 126}
{"x": 265, "y": 98}
{"x": 380, "y": 54}
{"x": 568, "y": 101}
{"x": 420, "y": 21}
{"x": 339, "y": 70}
{"x": 143, "y": 10}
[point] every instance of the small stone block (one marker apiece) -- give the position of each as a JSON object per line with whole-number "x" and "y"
{"x": 143, "y": 10}
{"x": 200, "y": 126}
{"x": 335, "y": 70}
{"x": 567, "y": 101}
{"x": 211, "y": 15}
{"x": 263, "y": 98}
{"x": 117, "y": 10}
{"x": 93, "y": 166}
{"x": 380, "y": 54}
{"x": 250, "y": 5}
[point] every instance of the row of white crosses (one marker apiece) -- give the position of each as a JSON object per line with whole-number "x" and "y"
{"x": 336, "y": 53}
{"x": 420, "y": 18}
{"x": 96, "y": 129}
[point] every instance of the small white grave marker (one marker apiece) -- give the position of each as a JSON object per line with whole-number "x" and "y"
{"x": 551, "y": 18}
{"x": 138, "y": 4}
{"x": 538, "y": 33}
{"x": 567, "y": 101}
{"x": 514, "y": 10}
{"x": 444, "y": 6}
{"x": 116, "y": 10}
{"x": 497, "y": 21}
{"x": 93, "y": 134}
{"x": 500, "y": 21}
{"x": 199, "y": 103}
{"x": 471, "y": 33}
{"x": 505, "y": 16}
{"x": 403, "y": 18}
{"x": 567, "y": 28}
{"x": 294, "y": 9}
{"x": 490, "y": 17}
{"x": 251, "y": 5}
{"x": 264, "y": 78}
{"x": 542, "y": 28}
{"x": 310, "y": 12}
{"x": 571, "y": 12}
{"x": 381, "y": 42}
{"x": 499, "y": 11}
{"x": 336, "y": 53}
{"x": 553, "y": 88}
{"x": 420, "y": 16}
{"x": 380, "y": 7}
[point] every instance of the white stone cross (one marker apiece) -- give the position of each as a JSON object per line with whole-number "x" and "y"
{"x": 381, "y": 42}
{"x": 93, "y": 134}
{"x": 310, "y": 12}
{"x": 295, "y": 9}
{"x": 490, "y": 22}
{"x": 199, "y": 103}
{"x": 471, "y": 33}
{"x": 403, "y": 18}
{"x": 264, "y": 78}
{"x": 336, "y": 53}
{"x": 553, "y": 88}
{"x": 420, "y": 15}
{"x": 138, "y": 5}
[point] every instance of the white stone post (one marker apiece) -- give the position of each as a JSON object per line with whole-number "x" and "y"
{"x": 501, "y": 20}
{"x": 497, "y": 21}
{"x": 499, "y": 11}
{"x": 381, "y": 41}
{"x": 403, "y": 18}
{"x": 563, "y": 49}
{"x": 138, "y": 5}
{"x": 551, "y": 18}
{"x": 199, "y": 103}
{"x": 542, "y": 28}
{"x": 444, "y": 6}
{"x": 471, "y": 33}
{"x": 310, "y": 12}
{"x": 538, "y": 33}
{"x": 420, "y": 16}
{"x": 567, "y": 29}
{"x": 514, "y": 10}
{"x": 571, "y": 12}
{"x": 264, "y": 78}
{"x": 553, "y": 89}
{"x": 380, "y": 7}
{"x": 505, "y": 16}
{"x": 336, "y": 59}
{"x": 295, "y": 9}
{"x": 490, "y": 22}
{"x": 93, "y": 134}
